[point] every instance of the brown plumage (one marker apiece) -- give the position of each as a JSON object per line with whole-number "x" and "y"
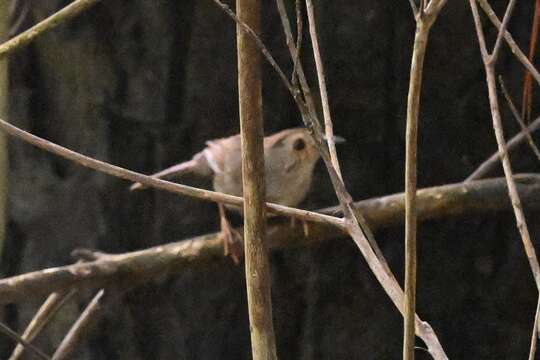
{"x": 290, "y": 157}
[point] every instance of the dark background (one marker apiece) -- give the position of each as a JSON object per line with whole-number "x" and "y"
{"x": 142, "y": 84}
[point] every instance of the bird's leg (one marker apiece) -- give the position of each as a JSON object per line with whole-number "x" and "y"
{"x": 232, "y": 240}
{"x": 305, "y": 225}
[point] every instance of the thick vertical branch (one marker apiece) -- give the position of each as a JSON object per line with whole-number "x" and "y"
{"x": 4, "y": 170}
{"x": 413, "y": 106}
{"x": 251, "y": 125}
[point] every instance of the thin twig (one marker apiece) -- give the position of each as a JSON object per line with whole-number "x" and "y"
{"x": 502, "y": 30}
{"x": 489, "y": 66}
{"x": 414, "y": 8}
{"x": 299, "y": 37}
{"x": 258, "y": 42}
{"x": 522, "y": 58}
{"x": 310, "y": 104}
{"x": 44, "y": 315}
{"x": 59, "y": 17}
{"x": 133, "y": 268}
{"x": 518, "y": 118}
{"x": 4, "y": 110}
{"x": 534, "y": 335}
{"x": 257, "y": 268}
{"x": 148, "y": 181}
{"x": 526, "y": 100}
{"x": 75, "y": 334}
{"x": 328, "y": 126}
{"x": 488, "y": 164}
{"x": 17, "y": 338}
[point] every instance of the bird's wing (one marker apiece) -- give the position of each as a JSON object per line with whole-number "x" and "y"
{"x": 219, "y": 151}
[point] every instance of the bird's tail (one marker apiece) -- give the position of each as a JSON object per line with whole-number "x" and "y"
{"x": 196, "y": 166}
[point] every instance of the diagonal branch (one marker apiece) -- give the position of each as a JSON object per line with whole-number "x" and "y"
{"x": 522, "y": 58}
{"x": 299, "y": 36}
{"x": 534, "y": 336}
{"x": 69, "y": 12}
{"x": 16, "y": 337}
{"x": 502, "y": 31}
{"x": 44, "y": 315}
{"x": 148, "y": 181}
{"x": 489, "y": 66}
{"x": 518, "y": 118}
{"x": 488, "y": 165}
{"x": 79, "y": 328}
{"x": 322, "y": 88}
{"x": 414, "y": 8}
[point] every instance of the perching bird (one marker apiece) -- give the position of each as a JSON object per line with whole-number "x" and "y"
{"x": 290, "y": 157}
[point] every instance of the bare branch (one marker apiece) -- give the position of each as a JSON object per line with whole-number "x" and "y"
{"x": 44, "y": 315}
{"x": 263, "y": 342}
{"x": 69, "y": 12}
{"x": 328, "y": 126}
{"x": 526, "y": 100}
{"x": 130, "y": 269}
{"x": 510, "y": 40}
{"x": 434, "y": 7}
{"x": 362, "y": 237}
{"x": 77, "y": 331}
{"x": 502, "y": 30}
{"x": 519, "y": 119}
{"x": 4, "y": 101}
{"x": 299, "y": 36}
{"x": 494, "y": 159}
{"x": 424, "y": 21}
{"x": 244, "y": 27}
{"x": 16, "y": 337}
{"x": 489, "y": 66}
{"x": 479, "y": 31}
{"x": 534, "y": 336}
{"x": 414, "y": 8}
{"x": 413, "y": 107}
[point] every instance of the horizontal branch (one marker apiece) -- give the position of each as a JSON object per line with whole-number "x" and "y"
{"x": 124, "y": 270}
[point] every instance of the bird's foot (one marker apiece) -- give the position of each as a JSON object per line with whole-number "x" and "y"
{"x": 305, "y": 225}
{"x": 232, "y": 239}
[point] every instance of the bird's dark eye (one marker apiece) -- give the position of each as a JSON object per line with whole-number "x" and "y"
{"x": 299, "y": 144}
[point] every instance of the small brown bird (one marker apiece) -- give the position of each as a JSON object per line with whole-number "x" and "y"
{"x": 290, "y": 157}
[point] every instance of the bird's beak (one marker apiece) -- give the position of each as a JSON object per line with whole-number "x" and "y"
{"x": 337, "y": 139}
